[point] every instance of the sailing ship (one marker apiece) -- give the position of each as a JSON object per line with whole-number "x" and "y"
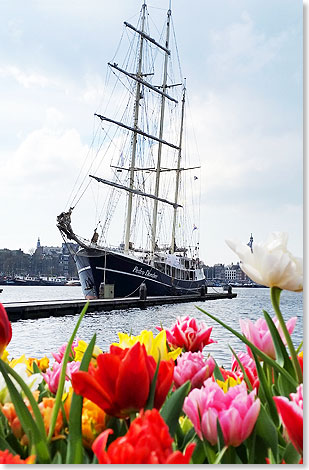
{"x": 148, "y": 167}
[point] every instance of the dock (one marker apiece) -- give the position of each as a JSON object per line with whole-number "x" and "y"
{"x": 59, "y": 308}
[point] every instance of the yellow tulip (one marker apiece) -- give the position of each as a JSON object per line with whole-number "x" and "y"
{"x": 20, "y": 360}
{"x": 81, "y": 348}
{"x": 155, "y": 346}
{"x": 228, "y": 383}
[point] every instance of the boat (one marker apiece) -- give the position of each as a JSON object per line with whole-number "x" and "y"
{"x": 145, "y": 203}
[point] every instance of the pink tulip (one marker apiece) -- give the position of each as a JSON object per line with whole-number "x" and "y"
{"x": 52, "y": 376}
{"x": 58, "y": 356}
{"x": 291, "y": 413}
{"x": 189, "y": 334}
{"x": 259, "y": 334}
{"x": 193, "y": 367}
{"x": 249, "y": 367}
{"x": 236, "y": 410}
{"x": 5, "y": 329}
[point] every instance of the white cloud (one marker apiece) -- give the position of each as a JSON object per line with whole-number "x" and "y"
{"x": 26, "y": 78}
{"x": 241, "y": 49}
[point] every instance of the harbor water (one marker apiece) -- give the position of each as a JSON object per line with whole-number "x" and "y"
{"x": 41, "y": 337}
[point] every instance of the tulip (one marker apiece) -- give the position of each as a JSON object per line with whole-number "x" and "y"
{"x": 155, "y": 346}
{"x": 270, "y": 263}
{"x": 80, "y": 350}
{"x": 236, "y": 410}
{"x": 189, "y": 334}
{"x": 93, "y": 419}
{"x": 258, "y": 333}
{"x": 52, "y": 376}
{"x": 60, "y": 354}
{"x": 7, "y": 458}
{"x": 291, "y": 413}
{"x": 5, "y": 330}
{"x": 249, "y": 367}
{"x": 46, "y": 407}
{"x": 120, "y": 383}
{"x": 193, "y": 367}
{"x": 32, "y": 381}
{"x": 147, "y": 442}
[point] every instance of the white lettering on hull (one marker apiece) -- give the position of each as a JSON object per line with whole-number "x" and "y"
{"x": 142, "y": 272}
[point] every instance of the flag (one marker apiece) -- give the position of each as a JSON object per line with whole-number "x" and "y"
{"x": 195, "y": 178}
{"x": 194, "y": 227}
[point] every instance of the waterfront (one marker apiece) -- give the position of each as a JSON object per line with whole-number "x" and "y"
{"x": 41, "y": 337}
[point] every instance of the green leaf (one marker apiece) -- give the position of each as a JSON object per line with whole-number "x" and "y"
{"x": 291, "y": 456}
{"x": 28, "y": 424}
{"x": 284, "y": 387}
{"x": 62, "y": 375}
{"x": 199, "y": 454}
{"x": 57, "y": 458}
{"x": 5, "y": 445}
{"x": 29, "y": 395}
{"x": 282, "y": 356}
{"x": 75, "y": 445}
{"x": 172, "y": 407}
{"x": 250, "y": 444}
{"x": 152, "y": 390}
{"x": 260, "y": 353}
{"x": 267, "y": 391}
{"x": 267, "y": 431}
{"x": 220, "y": 438}
{"x": 217, "y": 372}
{"x": 220, "y": 456}
{"x": 242, "y": 369}
{"x": 299, "y": 347}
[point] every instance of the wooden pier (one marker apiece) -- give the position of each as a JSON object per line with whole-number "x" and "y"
{"x": 59, "y": 308}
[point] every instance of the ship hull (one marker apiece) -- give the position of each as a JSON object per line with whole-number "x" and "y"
{"x": 125, "y": 274}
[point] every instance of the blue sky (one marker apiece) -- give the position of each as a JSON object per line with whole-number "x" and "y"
{"x": 243, "y": 64}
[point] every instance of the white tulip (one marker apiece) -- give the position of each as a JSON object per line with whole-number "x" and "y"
{"x": 270, "y": 263}
{"x": 32, "y": 381}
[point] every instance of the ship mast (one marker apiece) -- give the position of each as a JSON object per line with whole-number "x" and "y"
{"x": 173, "y": 245}
{"x": 158, "y": 170}
{"x": 134, "y": 143}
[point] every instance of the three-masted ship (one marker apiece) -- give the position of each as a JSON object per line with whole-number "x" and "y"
{"x": 147, "y": 168}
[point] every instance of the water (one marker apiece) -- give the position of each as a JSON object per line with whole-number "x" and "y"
{"x": 37, "y": 338}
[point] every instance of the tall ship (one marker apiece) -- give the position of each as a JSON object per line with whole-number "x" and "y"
{"x": 143, "y": 189}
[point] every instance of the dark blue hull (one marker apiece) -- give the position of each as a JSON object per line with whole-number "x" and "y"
{"x": 126, "y": 275}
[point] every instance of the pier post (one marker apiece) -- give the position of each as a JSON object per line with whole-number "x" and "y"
{"x": 143, "y": 291}
{"x": 203, "y": 291}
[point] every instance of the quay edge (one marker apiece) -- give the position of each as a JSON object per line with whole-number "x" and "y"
{"x": 44, "y": 309}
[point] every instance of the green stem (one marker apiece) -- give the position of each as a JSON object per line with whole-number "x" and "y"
{"x": 59, "y": 393}
{"x": 269, "y": 370}
{"x": 275, "y": 297}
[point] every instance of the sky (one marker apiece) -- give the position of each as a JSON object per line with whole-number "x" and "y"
{"x": 243, "y": 64}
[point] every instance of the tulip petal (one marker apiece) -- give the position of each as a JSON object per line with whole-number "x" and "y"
{"x": 292, "y": 418}
{"x": 86, "y": 385}
{"x": 133, "y": 382}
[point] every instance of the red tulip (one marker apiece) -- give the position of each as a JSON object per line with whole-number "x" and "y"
{"x": 291, "y": 413}
{"x": 7, "y": 458}
{"x": 121, "y": 381}
{"x": 5, "y": 330}
{"x": 147, "y": 442}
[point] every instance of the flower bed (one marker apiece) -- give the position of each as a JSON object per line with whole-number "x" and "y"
{"x": 162, "y": 399}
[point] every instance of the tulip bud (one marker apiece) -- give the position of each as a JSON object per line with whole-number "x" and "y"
{"x": 5, "y": 330}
